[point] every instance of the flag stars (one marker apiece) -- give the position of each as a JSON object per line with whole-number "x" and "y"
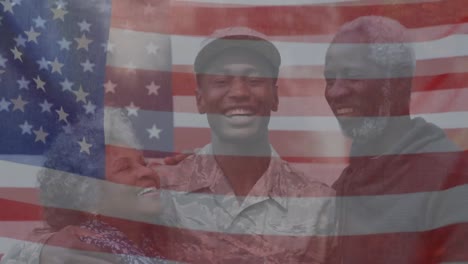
{"x": 80, "y": 95}
{"x": 151, "y": 48}
{"x": 20, "y": 41}
{"x": 64, "y": 44}
{"x": 84, "y": 26}
{"x": 17, "y": 55}
{"x": 32, "y": 35}
{"x": 56, "y": 66}
{"x": 83, "y": 42}
{"x": 84, "y": 146}
{"x": 153, "y": 88}
{"x": 19, "y": 103}
{"x": 23, "y": 83}
{"x": 59, "y": 13}
{"x": 154, "y": 132}
{"x": 40, "y": 135}
{"x": 39, "y": 22}
{"x": 4, "y": 105}
{"x": 43, "y": 64}
{"x": 45, "y": 106}
{"x": 3, "y": 61}
{"x": 40, "y": 84}
{"x": 90, "y": 108}
{"x": 109, "y": 87}
{"x": 62, "y": 115}
{"x": 132, "y": 109}
{"x": 66, "y": 85}
{"x": 26, "y": 128}
{"x": 7, "y": 6}
{"x": 87, "y": 66}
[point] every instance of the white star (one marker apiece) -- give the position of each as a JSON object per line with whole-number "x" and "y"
{"x": 40, "y": 84}
{"x": 18, "y": 103}
{"x": 64, "y": 44}
{"x": 132, "y": 109}
{"x": 154, "y": 132}
{"x": 17, "y": 54}
{"x": 153, "y": 88}
{"x": 66, "y": 85}
{"x": 62, "y": 115}
{"x": 43, "y": 64}
{"x": 90, "y": 108}
{"x": 32, "y": 35}
{"x": 110, "y": 86}
{"x": 80, "y": 95}
{"x": 87, "y": 66}
{"x": 40, "y": 135}
{"x": 149, "y": 9}
{"x": 84, "y": 146}
{"x": 152, "y": 49}
{"x": 108, "y": 47}
{"x": 20, "y": 41}
{"x": 7, "y": 6}
{"x": 23, "y": 83}
{"x": 25, "y": 128}
{"x": 4, "y": 105}
{"x": 84, "y": 26}
{"x": 59, "y": 13}
{"x": 56, "y": 66}
{"x": 83, "y": 42}
{"x": 45, "y": 106}
{"x": 40, "y": 23}
{"x": 61, "y": 4}
{"x": 2, "y": 61}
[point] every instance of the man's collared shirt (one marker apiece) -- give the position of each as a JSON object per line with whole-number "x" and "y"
{"x": 285, "y": 218}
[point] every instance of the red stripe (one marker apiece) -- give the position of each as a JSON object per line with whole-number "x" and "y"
{"x": 184, "y": 84}
{"x": 130, "y": 14}
{"x": 185, "y": 18}
{"x": 308, "y": 20}
{"x": 446, "y": 244}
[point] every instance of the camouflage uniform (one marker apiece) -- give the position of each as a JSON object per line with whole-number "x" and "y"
{"x": 284, "y": 219}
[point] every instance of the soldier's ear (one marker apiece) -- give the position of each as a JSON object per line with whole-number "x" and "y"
{"x": 200, "y": 101}
{"x": 274, "y": 106}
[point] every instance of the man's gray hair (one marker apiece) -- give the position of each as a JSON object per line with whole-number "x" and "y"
{"x": 389, "y": 42}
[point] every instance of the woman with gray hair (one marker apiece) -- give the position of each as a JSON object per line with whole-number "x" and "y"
{"x": 106, "y": 192}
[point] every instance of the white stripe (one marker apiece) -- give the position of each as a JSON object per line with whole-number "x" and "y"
{"x": 406, "y": 212}
{"x": 131, "y": 50}
{"x": 322, "y": 123}
{"x": 185, "y": 49}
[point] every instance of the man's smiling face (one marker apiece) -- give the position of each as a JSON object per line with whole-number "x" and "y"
{"x": 357, "y": 91}
{"x": 238, "y": 93}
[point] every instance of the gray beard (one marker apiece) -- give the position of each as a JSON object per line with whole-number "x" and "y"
{"x": 370, "y": 127}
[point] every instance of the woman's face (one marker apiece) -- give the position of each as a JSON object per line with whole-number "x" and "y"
{"x": 134, "y": 188}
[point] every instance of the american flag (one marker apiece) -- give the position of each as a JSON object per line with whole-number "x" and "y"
{"x": 62, "y": 58}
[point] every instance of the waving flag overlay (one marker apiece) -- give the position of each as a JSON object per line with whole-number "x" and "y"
{"x": 60, "y": 59}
